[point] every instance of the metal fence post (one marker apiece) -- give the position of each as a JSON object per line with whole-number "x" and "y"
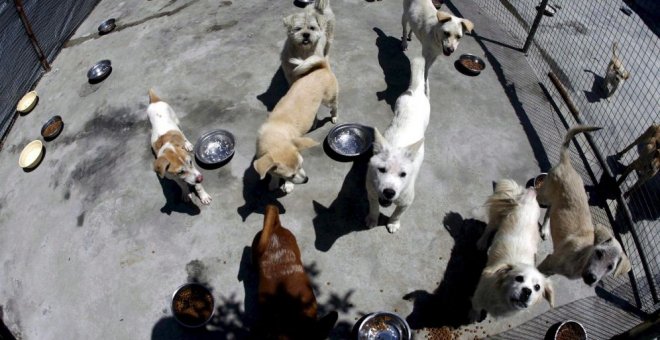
{"x": 535, "y": 25}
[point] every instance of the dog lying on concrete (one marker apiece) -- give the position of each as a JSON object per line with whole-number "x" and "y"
{"x": 510, "y": 282}
{"x": 172, "y": 150}
{"x": 286, "y": 298}
{"x": 647, "y": 163}
{"x": 580, "y": 250}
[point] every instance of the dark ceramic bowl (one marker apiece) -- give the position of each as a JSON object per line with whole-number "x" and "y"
{"x": 471, "y": 64}
{"x": 52, "y": 128}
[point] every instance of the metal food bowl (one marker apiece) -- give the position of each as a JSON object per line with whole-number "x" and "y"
{"x": 385, "y": 326}
{"x": 28, "y": 102}
{"x": 539, "y": 180}
{"x": 570, "y": 330}
{"x": 192, "y": 305}
{"x": 471, "y": 64}
{"x": 350, "y": 139}
{"x": 107, "y": 26}
{"x": 31, "y": 155}
{"x": 214, "y": 147}
{"x": 99, "y": 71}
{"x": 52, "y": 128}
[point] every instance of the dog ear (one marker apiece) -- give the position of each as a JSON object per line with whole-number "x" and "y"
{"x": 443, "y": 16}
{"x": 623, "y": 266}
{"x": 549, "y": 293}
{"x": 303, "y": 143}
{"x": 161, "y": 164}
{"x": 468, "y": 26}
{"x": 263, "y": 165}
{"x": 626, "y": 75}
{"x": 380, "y": 143}
{"x": 601, "y": 234}
{"x": 288, "y": 21}
{"x": 500, "y": 269}
{"x": 411, "y": 150}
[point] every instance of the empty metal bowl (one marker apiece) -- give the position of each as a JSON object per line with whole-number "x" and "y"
{"x": 99, "y": 71}
{"x": 192, "y": 305}
{"x": 31, "y": 154}
{"x": 52, "y": 128}
{"x": 350, "y": 139}
{"x": 107, "y": 26}
{"x": 214, "y": 147}
{"x": 471, "y": 64}
{"x": 570, "y": 330}
{"x": 28, "y": 102}
{"x": 384, "y": 325}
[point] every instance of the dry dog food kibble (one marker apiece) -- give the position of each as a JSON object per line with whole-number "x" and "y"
{"x": 570, "y": 331}
{"x": 472, "y": 65}
{"x": 193, "y": 305}
{"x": 52, "y": 128}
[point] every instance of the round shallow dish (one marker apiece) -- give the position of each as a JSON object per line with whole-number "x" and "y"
{"x": 100, "y": 70}
{"x": 549, "y": 10}
{"x": 52, "y": 128}
{"x": 31, "y": 154}
{"x": 192, "y": 305}
{"x": 27, "y": 103}
{"x": 214, "y": 147}
{"x": 350, "y": 139}
{"x": 471, "y": 64}
{"x": 538, "y": 180}
{"x": 385, "y": 326}
{"x": 304, "y": 2}
{"x": 570, "y": 330}
{"x": 107, "y": 26}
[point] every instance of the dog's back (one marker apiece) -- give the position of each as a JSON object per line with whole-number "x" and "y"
{"x": 286, "y": 298}
{"x": 411, "y": 111}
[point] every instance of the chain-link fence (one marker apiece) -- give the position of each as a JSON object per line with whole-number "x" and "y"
{"x": 574, "y": 43}
{"x": 52, "y": 22}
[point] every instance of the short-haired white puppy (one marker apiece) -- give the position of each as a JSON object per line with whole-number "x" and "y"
{"x": 510, "y": 282}
{"x": 399, "y": 152}
{"x": 172, "y": 150}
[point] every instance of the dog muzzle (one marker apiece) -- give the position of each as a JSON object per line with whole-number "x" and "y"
{"x": 384, "y": 202}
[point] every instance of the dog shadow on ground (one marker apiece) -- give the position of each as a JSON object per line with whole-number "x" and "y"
{"x": 395, "y": 65}
{"x": 449, "y": 304}
{"x": 276, "y": 90}
{"x": 256, "y": 194}
{"x": 596, "y": 93}
{"x": 173, "y": 200}
{"x": 347, "y": 212}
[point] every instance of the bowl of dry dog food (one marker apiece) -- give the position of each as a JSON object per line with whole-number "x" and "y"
{"x": 570, "y": 330}
{"x": 538, "y": 181}
{"x": 383, "y": 325}
{"x": 52, "y": 128}
{"x": 192, "y": 305}
{"x": 470, "y": 64}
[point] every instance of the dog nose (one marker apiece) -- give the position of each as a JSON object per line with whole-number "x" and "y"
{"x": 306, "y": 35}
{"x": 589, "y": 278}
{"x": 389, "y": 193}
{"x": 199, "y": 178}
{"x": 305, "y": 180}
{"x": 526, "y": 292}
{"x": 450, "y": 49}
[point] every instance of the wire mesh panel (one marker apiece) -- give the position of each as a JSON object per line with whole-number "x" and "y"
{"x": 577, "y": 43}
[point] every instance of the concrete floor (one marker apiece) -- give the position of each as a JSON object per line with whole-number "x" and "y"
{"x": 93, "y": 244}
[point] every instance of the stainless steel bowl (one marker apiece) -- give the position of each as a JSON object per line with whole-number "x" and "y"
{"x": 578, "y": 332}
{"x": 198, "y": 291}
{"x": 385, "y": 326}
{"x": 350, "y": 139}
{"x": 473, "y": 58}
{"x": 107, "y": 26}
{"x": 214, "y": 147}
{"x": 100, "y": 70}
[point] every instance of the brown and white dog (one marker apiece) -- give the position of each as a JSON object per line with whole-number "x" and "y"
{"x": 172, "y": 150}
{"x": 437, "y": 31}
{"x": 281, "y": 138}
{"x": 615, "y": 74}
{"x": 647, "y": 163}
{"x": 286, "y": 298}
{"x": 580, "y": 249}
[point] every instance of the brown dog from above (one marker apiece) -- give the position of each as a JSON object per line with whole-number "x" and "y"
{"x": 286, "y": 299}
{"x": 647, "y": 164}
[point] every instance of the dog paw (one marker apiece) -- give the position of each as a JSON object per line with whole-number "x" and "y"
{"x": 371, "y": 222}
{"x": 205, "y": 198}
{"x": 393, "y": 227}
{"x": 334, "y": 120}
{"x": 287, "y": 187}
{"x": 404, "y": 44}
{"x": 188, "y": 146}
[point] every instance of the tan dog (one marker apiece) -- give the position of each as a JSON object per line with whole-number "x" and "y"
{"x": 615, "y": 74}
{"x": 510, "y": 282}
{"x": 286, "y": 298}
{"x": 647, "y": 163}
{"x": 172, "y": 150}
{"x": 580, "y": 250}
{"x": 281, "y": 138}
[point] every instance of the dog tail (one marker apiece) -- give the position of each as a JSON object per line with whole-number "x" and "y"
{"x": 153, "y": 97}
{"x": 504, "y": 199}
{"x": 563, "y": 154}
{"x": 303, "y": 67}
{"x": 271, "y": 224}
{"x": 321, "y": 5}
{"x": 417, "y": 75}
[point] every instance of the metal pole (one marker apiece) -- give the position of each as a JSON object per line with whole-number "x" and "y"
{"x": 30, "y": 33}
{"x": 535, "y": 25}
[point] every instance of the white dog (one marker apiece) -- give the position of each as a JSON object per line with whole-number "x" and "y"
{"x": 510, "y": 282}
{"x": 172, "y": 150}
{"x": 309, "y": 33}
{"x": 437, "y": 31}
{"x": 398, "y": 154}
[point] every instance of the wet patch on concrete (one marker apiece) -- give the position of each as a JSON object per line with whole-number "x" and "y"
{"x": 81, "y": 219}
{"x": 117, "y": 123}
{"x": 197, "y": 272}
{"x": 219, "y": 27}
{"x": 16, "y": 148}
